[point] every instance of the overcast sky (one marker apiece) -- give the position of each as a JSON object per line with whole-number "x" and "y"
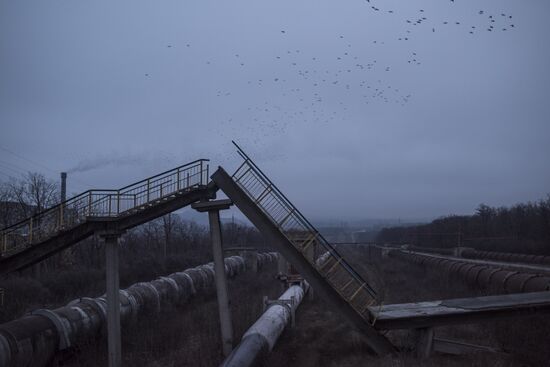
{"x": 355, "y": 109}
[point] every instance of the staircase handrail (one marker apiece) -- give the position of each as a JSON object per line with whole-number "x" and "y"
{"x": 298, "y": 215}
{"x": 84, "y": 204}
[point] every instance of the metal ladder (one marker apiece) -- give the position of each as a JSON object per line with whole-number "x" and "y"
{"x": 304, "y": 237}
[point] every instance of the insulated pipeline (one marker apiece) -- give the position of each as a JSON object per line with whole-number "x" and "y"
{"x": 506, "y": 256}
{"x": 260, "y": 339}
{"x": 481, "y": 275}
{"x": 432, "y": 250}
{"x": 33, "y": 340}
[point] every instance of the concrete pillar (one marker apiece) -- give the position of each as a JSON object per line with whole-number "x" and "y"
{"x": 251, "y": 260}
{"x": 424, "y": 342}
{"x": 113, "y": 300}
{"x": 282, "y": 271}
{"x": 213, "y": 208}
{"x": 282, "y": 265}
{"x": 221, "y": 282}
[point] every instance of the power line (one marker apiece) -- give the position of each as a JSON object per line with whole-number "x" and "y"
{"x": 28, "y": 160}
{"x": 41, "y": 165}
{"x": 5, "y": 174}
{"x": 12, "y": 167}
{"x": 9, "y": 168}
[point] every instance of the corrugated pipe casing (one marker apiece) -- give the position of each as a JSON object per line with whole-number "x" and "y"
{"x": 33, "y": 340}
{"x": 504, "y": 256}
{"x": 481, "y": 275}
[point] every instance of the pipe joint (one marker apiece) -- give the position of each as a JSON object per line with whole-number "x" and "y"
{"x": 63, "y": 327}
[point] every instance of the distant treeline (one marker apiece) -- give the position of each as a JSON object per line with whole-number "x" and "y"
{"x": 521, "y": 228}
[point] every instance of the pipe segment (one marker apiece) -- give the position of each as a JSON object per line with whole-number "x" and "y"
{"x": 33, "y": 340}
{"x": 506, "y": 256}
{"x": 481, "y": 275}
{"x": 262, "y": 336}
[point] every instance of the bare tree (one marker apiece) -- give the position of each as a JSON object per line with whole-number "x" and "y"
{"x": 5, "y": 203}
{"x": 168, "y": 225}
{"x": 34, "y": 193}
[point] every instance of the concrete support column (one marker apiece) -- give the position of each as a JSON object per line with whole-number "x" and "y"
{"x": 424, "y": 342}
{"x": 282, "y": 271}
{"x": 251, "y": 260}
{"x": 113, "y": 299}
{"x": 213, "y": 208}
{"x": 221, "y": 282}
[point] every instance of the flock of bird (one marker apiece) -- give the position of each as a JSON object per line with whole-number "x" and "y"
{"x": 302, "y": 87}
{"x": 490, "y": 22}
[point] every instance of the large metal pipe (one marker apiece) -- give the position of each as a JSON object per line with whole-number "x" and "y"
{"x": 33, "y": 340}
{"x": 432, "y": 250}
{"x": 481, "y": 275}
{"x": 260, "y": 339}
{"x": 506, "y": 256}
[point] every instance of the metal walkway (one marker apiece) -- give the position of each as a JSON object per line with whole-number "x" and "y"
{"x": 301, "y": 244}
{"x": 63, "y": 225}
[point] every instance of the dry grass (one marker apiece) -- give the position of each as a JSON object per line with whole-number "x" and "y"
{"x": 323, "y": 339}
{"x": 189, "y": 335}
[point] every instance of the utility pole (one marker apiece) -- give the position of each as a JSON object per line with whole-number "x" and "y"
{"x": 459, "y": 244}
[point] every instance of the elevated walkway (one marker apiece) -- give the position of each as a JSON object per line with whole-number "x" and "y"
{"x": 303, "y": 246}
{"x": 67, "y": 223}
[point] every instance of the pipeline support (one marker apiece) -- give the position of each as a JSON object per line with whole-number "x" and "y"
{"x": 226, "y": 326}
{"x": 261, "y": 337}
{"x": 113, "y": 299}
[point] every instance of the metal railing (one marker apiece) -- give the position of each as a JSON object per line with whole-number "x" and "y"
{"x": 102, "y": 203}
{"x": 303, "y": 235}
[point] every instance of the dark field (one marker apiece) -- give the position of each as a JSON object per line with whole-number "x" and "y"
{"x": 189, "y": 335}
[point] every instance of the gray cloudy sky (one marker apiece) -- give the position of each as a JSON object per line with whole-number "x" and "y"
{"x": 354, "y": 112}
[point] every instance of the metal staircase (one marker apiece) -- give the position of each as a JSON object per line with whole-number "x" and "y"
{"x": 78, "y": 217}
{"x": 298, "y": 240}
